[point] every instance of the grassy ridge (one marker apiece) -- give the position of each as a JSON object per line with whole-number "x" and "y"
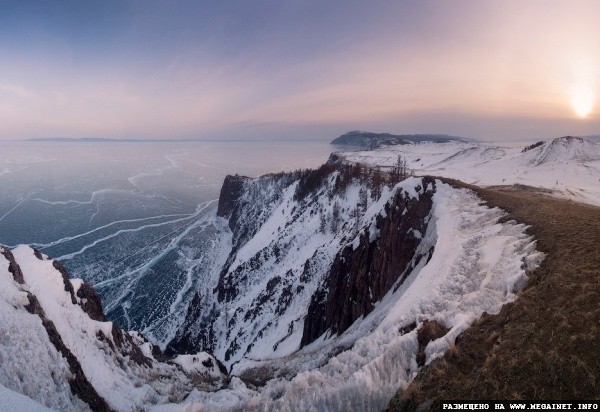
{"x": 546, "y": 344}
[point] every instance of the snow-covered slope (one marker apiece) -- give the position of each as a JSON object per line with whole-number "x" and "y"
{"x": 25, "y": 346}
{"x": 338, "y": 285}
{"x": 477, "y": 265}
{"x": 288, "y": 233}
{"x": 57, "y": 348}
{"x": 15, "y": 401}
{"x": 565, "y": 150}
{"x": 568, "y": 166}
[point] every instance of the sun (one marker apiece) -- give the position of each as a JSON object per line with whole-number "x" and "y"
{"x": 582, "y": 99}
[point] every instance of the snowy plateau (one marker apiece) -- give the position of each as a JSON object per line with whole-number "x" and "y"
{"x": 567, "y": 166}
{"x": 316, "y": 293}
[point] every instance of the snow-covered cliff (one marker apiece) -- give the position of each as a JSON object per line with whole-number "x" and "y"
{"x": 57, "y": 348}
{"x": 311, "y": 253}
{"x": 338, "y": 285}
{"x": 335, "y": 280}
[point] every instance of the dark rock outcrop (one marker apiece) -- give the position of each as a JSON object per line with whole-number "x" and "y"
{"x": 65, "y": 276}
{"x": 13, "y": 266}
{"x": 90, "y": 302}
{"x": 38, "y": 254}
{"x": 335, "y": 159}
{"x": 370, "y": 140}
{"x": 188, "y": 340}
{"x": 359, "y": 277}
{"x": 429, "y": 331}
{"x": 532, "y": 146}
{"x": 127, "y": 347}
{"x": 232, "y": 189}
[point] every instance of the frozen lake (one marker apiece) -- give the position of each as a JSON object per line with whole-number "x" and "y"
{"x": 134, "y": 219}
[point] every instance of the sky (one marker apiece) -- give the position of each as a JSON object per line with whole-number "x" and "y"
{"x": 296, "y": 69}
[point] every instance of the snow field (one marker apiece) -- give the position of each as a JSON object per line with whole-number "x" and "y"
{"x": 79, "y": 333}
{"x": 569, "y": 166}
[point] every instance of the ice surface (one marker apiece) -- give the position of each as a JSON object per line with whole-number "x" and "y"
{"x": 110, "y": 209}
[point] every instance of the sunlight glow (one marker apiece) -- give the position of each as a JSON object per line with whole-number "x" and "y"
{"x": 582, "y": 99}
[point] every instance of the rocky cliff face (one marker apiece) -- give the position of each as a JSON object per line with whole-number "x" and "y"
{"x": 361, "y": 276}
{"x": 246, "y": 204}
{"x": 311, "y": 253}
{"x": 231, "y": 192}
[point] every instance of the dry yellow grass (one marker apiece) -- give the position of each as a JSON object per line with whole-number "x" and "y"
{"x": 546, "y": 344}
